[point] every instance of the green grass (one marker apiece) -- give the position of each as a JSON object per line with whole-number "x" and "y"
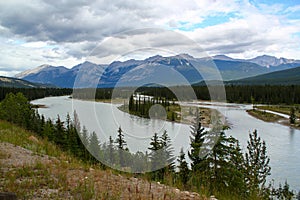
{"x": 265, "y": 116}
{"x": 284, "y": 109}
{"x": 63, "y": 177}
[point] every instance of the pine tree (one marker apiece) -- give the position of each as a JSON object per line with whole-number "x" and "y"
{"x": 131, "y": 103}
{"x": 76, "y": 122}
{"x": 155, "y": 157}
{"x": 221, "y": 164}
{"x": 111, "y": 151}
{"x": 121, "y": 143}
{"x": 59, "y": 133}
{"x": 48, "y": 130}
{"x": 94, "y": 147}
{"x": 168, "y": 155}
{"x": 292, "y": 116}
{"x": 184, "y": 172}
{"x": 256, "y": 164}
{"x": 167, "y": 158}
{"x": 198, "y": 135}
{"x": 84, "y": 137}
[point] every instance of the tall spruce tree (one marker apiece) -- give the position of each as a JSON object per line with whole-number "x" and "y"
{"x": 221, "y": 164}
{"x": 155, "y": 156}
{"x": 256, "y": 165}
{"x": 167, "y": 152}
{"x": 94, "y": 146}
{"x": 197, "y": 137}
{"x": 121, "y": 143}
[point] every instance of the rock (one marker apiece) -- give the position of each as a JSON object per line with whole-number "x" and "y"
{"x": 177, "y": 191}
{"x": 212, "y": 198}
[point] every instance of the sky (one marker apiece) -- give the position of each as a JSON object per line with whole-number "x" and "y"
{"x": 66, "y": 33}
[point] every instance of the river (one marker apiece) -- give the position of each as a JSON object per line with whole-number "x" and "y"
{"x": 283, "y": 143}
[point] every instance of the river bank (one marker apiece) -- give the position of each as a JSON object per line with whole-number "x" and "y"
{"x": 275, "y": 114}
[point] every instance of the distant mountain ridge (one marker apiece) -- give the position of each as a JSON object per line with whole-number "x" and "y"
{"x": 264, "y": 60}
{"x": 155, "y": 69}
{"x": 19, "y": 83}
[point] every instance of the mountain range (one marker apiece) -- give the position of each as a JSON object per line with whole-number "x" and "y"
{"x": 173, "y": 70}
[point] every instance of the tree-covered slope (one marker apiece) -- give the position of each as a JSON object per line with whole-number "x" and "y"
{"x": 284, "y": 77}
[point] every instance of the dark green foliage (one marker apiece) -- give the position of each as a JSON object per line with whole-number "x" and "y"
{"x": 17, "y": 109}
{"x": 292, "y": 116}
{"x": 161, "y": 156}
{"x": 197, "y": 138}
{"x": 59, "y": 132}
{"x": 284, "y": 193}
{"x": 121, "y": 143}
{"x": 141, "y": 107}
{"x": 184, "y": 172}
{"x": 282, "y": 77}
{"x": 267, "y": 94}
{"x": 221, "y": 165}
{"x": 256, "y": 165}
{"x": 35, "y": 93}
{"x": 155, "y": 157}
{"x": 168, "y": 150}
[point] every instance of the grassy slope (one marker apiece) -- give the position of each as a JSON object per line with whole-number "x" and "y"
{"x": 35, "y": 168}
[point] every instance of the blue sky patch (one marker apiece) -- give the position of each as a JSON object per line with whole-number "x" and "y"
{"x": 208, "y": 21}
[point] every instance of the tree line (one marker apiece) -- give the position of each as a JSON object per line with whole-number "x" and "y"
{"x": 217, "y": 164}
{"x": 141, "y": 106}
{"x": 35, "y": 93}
{"x": 265, "y": 94}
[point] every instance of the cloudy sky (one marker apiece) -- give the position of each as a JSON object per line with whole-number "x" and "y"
{"x": 61, "y": 32}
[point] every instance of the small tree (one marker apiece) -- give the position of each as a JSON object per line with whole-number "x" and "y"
{"x": 184, "y": 172}
{"x": 76, "y": 122}
{"x": 59, "y": 133}
{"x": 111, "y": 151}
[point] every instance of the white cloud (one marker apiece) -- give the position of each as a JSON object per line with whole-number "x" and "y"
{"x": 65, "y": 32}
